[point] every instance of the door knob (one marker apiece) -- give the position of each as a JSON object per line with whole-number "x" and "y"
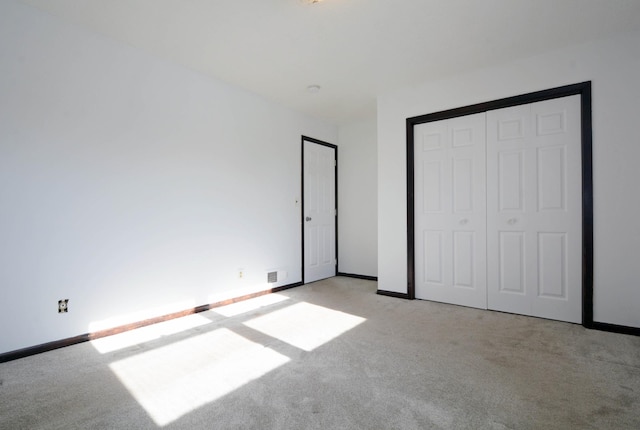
{"x": 464, "y": 221}
{"x": 308, "y": 218}
{"x": 512, "y": 221}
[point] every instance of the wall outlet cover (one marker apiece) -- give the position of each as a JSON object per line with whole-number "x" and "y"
{"x": 63, "y": 306}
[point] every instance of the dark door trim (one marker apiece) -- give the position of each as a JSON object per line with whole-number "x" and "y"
{"x": 335, "y": 152}
{"x": 584, "y": 90}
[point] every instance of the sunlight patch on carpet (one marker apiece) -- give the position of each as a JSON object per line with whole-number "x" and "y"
{"x": 173, "y": 380}
{"x": 149, "y": 333}
{"x": 245, "y": 306}
{"x": 304, "y": 325}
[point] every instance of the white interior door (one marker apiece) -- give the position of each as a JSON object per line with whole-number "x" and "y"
{"x": 450, "y": 212}
{"x": 319, "y": 217}
{"x": 534, "y": 217}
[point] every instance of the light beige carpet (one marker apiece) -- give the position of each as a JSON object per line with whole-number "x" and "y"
{"x": 333, "y": 355}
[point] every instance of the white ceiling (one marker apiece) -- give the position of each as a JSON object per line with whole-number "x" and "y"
{"x": 353, "y": 49}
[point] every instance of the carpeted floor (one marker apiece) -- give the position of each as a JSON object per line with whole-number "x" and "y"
{"x": 333, "y": 355}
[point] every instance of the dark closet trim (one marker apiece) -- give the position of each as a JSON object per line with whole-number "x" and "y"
{"x": 394, "y": 294}
{"x": 57, "y": 344}
{"x": 584, "y": 90}
{"x": 354, "y": 275}
{"x": 615, "y": 328}
{"x": 335, "y": 155}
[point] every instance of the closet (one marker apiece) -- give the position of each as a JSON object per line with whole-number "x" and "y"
{"x": 497, "y": 209}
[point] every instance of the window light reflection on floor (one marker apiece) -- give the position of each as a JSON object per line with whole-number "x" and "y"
{"x": 304, "y": 325}
{"x": 148, "y": 333}
{"x": 245, "y": 306}
{"x": 175, "y": 379}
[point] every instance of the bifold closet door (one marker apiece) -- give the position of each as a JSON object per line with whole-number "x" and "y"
{"x": 450, "y": 212}
{"x": 534, "y": 213}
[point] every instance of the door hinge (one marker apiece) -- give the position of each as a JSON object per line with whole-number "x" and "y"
{"x": 335, "y": 163}
{"x": 335, "y": 212}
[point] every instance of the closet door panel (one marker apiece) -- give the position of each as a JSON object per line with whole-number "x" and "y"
{"x": 534, "y": 193}
{"x": 450, "y": 217}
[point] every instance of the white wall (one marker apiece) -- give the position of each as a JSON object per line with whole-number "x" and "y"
{"x": 613, "y": 66}
{"x": 357, "y": 199}
{"x": 130, "y": 186}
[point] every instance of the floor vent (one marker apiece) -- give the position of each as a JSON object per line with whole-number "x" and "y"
{"x": 272, "y": 277}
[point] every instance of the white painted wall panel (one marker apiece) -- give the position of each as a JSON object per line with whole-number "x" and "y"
{"x": 132, "y": 187}
{"x": 357, "y": 199}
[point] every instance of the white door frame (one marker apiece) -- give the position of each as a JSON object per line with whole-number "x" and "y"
{"x": 302, "y": 212}
{"x": 582, "y": 89}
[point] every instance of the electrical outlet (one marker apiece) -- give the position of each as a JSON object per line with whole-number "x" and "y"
{"x": 240, "y": 273}
{"x": 63, "y": 306}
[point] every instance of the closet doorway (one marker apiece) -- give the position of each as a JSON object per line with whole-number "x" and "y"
{"x": 499, "y": 201}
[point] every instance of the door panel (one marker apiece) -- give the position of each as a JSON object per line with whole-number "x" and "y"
{"x": 552, "y": 265}
{"x": 432, "y": 183}
{"x": 319, "y": 211}
{"x": 463, "y": 264}
{"x": 463, "y": 185}
{"x": 511, "y": 265}
{"x": 534, "y": 211}
{"x": 552, "y": 178}
{"x": 511, "y": 181}
{"x": 432, "y": 257}
{"x": 450, "y": 218}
